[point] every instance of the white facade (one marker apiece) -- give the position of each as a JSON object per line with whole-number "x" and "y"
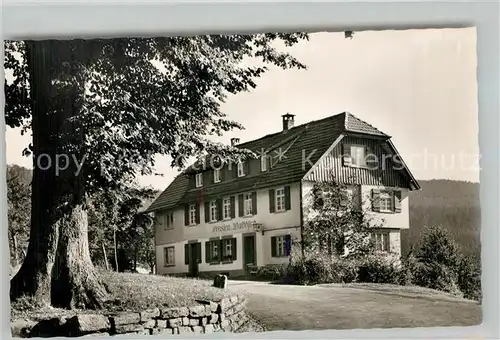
{"x": 269, "y": 224}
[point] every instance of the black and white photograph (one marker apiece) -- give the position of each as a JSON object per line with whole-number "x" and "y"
{"x": 194, "y": 184}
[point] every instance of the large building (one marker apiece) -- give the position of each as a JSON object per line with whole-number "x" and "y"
{"x": 219, "y": 218}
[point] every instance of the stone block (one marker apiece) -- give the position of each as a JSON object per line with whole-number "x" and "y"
{"x": 233, "y": 299}
{"x": 173, "y": 323}
{"x": 225, "y": 325}
{"x": 184, "y": 330}
{"x": 213, "y": 307}
{"x": 185, "y": 321}
{"x": 125, "y": 318}
{"x": 161, "y": 323}
{"x": 214, "y": 318}
{"x": 194, "y": 322}
{"x": 175, "y": 312}
{"x": 208, "y": 310}
{"x": 196, "y": 311}
{"x": 208, "y": 329}
{"x": 149, "y": 324}
{"x": 222, "y": 317}
{"x": 224, "y": 304}
{"x": 128, "y": 328}
{"x": 149, "y": 314}
{"x": 85, "y": 323}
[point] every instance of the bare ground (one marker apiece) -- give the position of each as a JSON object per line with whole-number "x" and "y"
{"x": 287, "y": 307}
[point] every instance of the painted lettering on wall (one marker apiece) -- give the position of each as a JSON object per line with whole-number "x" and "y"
{"x": 237, "y": 226}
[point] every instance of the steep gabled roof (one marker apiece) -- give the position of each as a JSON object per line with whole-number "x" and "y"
{"x": 294, "y": 152}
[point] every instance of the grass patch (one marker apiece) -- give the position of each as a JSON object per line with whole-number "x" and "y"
{"x": 131, "y": 292}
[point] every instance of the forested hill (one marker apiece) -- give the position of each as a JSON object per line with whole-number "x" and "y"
{"x": 452, "y": 204}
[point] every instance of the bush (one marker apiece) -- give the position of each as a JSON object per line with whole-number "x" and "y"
{"x": 322, "y": 268}
{"x": 436, "y": 276}
{"x": 438, "y": 246}
{"x": 379, "y": 269}
{"x": 469, "y": 278}
{"x": 271, "y": 272}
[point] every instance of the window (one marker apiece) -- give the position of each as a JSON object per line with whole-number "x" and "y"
{"x": 199, "y": 180}
{"x": 227, "y": 245}
{"x": 281, "y": 245}
{"x": 213, "y": 251}
{"x": 169, "y": 253}
{"x": 263, "y": 163}
{"x": 216, "y": 175}
{"x": 213, "y": 211}
{"x": 168, "y": 221}
{"x": 192, "y": 214}
{"x": 358, "y": 155}
{"x": 241, "y": 170}
{"x": 280, "y": 199}
{"x": 381, "y": 240}
{"x": 385, "y": 202}
{"x": 226, "y": 208}
{"x": 247, "y": 205}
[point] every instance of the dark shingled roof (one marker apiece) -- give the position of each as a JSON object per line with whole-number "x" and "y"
{"x": 314, "y": 138}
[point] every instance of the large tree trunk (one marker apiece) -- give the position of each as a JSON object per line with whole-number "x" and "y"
{"x": 57, "y": 268}
{"x": 14, "y": 249}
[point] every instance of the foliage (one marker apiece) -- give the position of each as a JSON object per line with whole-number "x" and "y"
{"x": 469, "y": 278}
{"x": 271, "y": 272}
{"x": 18, "y": 210}
{"x": 437, "y": 246}
{"x": 379, "y": 269}
{"x": 321, "y": 268}
{"x": 140, "y": 88}
{"x": 335, "y": 220}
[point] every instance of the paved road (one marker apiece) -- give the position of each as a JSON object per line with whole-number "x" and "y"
{"x": 284, "y": 307}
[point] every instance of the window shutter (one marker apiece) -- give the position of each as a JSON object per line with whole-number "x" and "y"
{"x": 254, "y": 203}
{"x": 234, "y": 250}
{"x": 288, "y": 204}
{"x": 234, "y": 169}
{"x": 197, "y": 213}
{"x": 271, "y": 201}
{"x": 219, "y": 251}
{"x": 288, "y": 245}
{"x": 207, "y": 211}
{"x": 198, "y": 252}
{"x": 273, "y": 246}
{"x": 233, "y": 206}
{"x": 375, "y": 199}
{"x": 222, "y": 250}
{"x": 240, "y": 205}
{"x": 346, "y": 154}
{"x": 208, "y": 255}
{"x": 397, "y": 201}
{"x": 186, "y": 214}
{"x": 186, "y": 254}
{"x": 385, "y": 239}
{"x": 219, "y": 210}
{"x": 246, "y": 166}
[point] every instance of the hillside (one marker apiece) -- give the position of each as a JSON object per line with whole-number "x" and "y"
{"x": 453, "y": 204}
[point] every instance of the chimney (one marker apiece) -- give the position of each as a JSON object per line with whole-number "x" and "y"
{"x": 288, "y": 121}
{"x": 234, "y": 141}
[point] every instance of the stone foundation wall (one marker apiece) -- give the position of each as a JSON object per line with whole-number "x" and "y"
{"x": 227, "y": 315}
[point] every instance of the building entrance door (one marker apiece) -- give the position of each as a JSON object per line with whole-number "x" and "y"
{"x": 249, "y": 256}
{"x": 194, "y": 258}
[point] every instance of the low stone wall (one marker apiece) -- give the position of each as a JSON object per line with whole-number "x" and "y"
{"x": 227, "y": 315}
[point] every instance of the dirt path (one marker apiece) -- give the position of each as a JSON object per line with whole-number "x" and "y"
{"x": 283, "y": 307}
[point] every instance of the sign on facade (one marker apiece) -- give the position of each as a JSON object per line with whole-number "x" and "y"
{"x": 238, "y": 227}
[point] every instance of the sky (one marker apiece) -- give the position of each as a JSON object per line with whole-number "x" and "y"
{"x": 418, "y": 86}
